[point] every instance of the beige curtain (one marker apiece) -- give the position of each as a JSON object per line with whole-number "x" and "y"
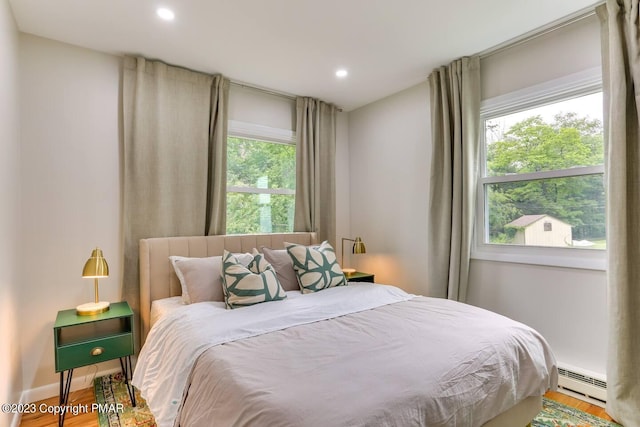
{"x": 315, "y": 168}
{"x": 455, "y": 127}
{"x": 621, "y": 83}
{"x": 217, "y": 202}
{"x": 167, "y": 115}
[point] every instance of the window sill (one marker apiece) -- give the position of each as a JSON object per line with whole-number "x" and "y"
{"x": 585, "y": 259}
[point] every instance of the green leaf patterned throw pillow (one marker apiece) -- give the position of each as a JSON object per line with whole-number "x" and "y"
{"x": 249, "y": 285}
{"x": 316, "y": 267}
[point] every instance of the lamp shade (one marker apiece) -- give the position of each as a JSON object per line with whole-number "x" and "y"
{"x": 359, "y": 247}
{"x": 96, "y": 266}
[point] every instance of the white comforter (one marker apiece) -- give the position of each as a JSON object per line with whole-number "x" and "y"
{"x": 463, "y": 366}
{"x": 176, "y": 340}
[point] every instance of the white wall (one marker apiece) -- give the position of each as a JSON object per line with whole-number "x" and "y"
{"x": 389, "y": 158}
{"x": 390, "y": 146}
{"x": 70, "y": 179}
{"x": 11, "y": 317}
{"x": 567, "y": 306}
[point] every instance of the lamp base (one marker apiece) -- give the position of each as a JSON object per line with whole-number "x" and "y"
{"x": 92, "y": 308}
{"x": 348, "y": 270}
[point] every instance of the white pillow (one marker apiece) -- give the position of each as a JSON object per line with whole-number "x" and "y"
{"x": 201, "y": 278}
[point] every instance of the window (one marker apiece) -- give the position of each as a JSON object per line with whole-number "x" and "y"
{"x": 261, "y": 178}
{"x": 541, "y": 187}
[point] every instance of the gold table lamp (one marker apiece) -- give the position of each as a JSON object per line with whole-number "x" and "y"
{"x": 357, "y": 248}
{"x": 95, "y": 268}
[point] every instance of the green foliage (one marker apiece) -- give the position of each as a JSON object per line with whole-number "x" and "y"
{"x": 533, "y": 145}
{"x": 250, "y": 159}
{"x": 253, "y": 163}
{"x": 244, "y": 213}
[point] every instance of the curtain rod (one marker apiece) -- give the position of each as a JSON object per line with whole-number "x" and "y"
{"x": 264, "y": 90}
{"x": 541, "y": 31}
{"x": 270, "y": 91}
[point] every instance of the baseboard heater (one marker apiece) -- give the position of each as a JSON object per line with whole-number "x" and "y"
{"x": 585, "y": 385}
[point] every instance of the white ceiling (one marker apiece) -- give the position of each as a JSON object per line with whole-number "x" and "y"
{"x": 295, "y": 46}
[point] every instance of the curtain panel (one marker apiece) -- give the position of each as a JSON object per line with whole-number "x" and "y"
{"x": 315, "y": 205}
{"x": 455, "y": 131}
{"x": 170, "y": 124}
{"x": 216, "y": 222}
{"x": 621, "y": 83}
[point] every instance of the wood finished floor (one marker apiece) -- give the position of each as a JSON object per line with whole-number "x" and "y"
{"x": 579, "y": 404}
{"x": 86, "y": 397}
{"x": 79, "y": 397}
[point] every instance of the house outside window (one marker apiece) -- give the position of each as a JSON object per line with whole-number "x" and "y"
{"x": 261, "y": 179}
{"x": 538, "y": 230}
{"x": 541, "y": 187}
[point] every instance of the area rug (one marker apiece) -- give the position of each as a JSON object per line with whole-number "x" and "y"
{"x": 555, "y": 414}
{"x": 111, "y": 391}
{"x": 115, "y": 408}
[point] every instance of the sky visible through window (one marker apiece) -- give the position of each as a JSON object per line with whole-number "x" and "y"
{"x": 589, "y": 106}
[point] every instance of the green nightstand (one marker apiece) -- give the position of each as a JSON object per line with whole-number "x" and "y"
{"x": 85, "y": 340}
{"x": 358, "y": 276}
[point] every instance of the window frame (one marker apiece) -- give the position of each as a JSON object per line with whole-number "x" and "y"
{"x": 571, "y": 86}
{"x": 246, "y": 130}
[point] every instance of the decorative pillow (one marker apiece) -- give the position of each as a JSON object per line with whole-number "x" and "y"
{"x": 248, "y": 285}
{"x": 201, "y": 278}
{"x": 316, "y": 267}
{"x": 282, "y": 263}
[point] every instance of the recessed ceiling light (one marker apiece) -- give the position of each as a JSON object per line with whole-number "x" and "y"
{"x": 342, "y": 73}
{"x": 166, "y": 14}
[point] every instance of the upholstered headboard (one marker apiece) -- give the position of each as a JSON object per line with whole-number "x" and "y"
{"x": 158, "y": 279}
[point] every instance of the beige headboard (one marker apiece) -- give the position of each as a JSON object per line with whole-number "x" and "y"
{"x": 158, "y": 279}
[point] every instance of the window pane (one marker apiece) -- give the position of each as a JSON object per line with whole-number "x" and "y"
{"x": 256, "y": 164}
{"x": 561, "y": 135}
{"x": 259, "y": 213}
{"x": 253, "y": 163}
{"x": 564, "y": 212}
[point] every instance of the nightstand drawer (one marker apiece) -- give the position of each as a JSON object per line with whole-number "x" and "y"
{"x": 93, "y": 351}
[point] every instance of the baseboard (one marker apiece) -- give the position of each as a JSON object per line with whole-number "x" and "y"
{"x": 17, "y": 417}
{"x": 52, "y": 390}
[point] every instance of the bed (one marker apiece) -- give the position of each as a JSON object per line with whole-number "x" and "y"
{"x": 362, "y": 354}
